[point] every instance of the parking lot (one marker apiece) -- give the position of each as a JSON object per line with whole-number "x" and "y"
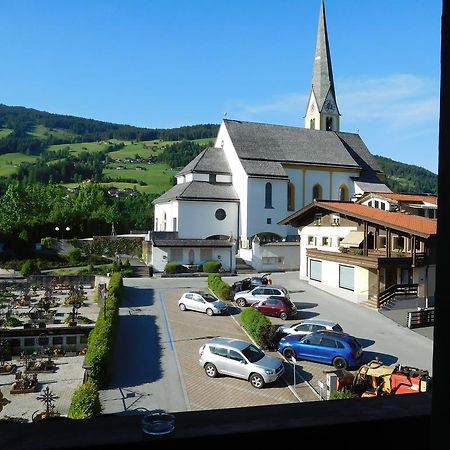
{"x": 155, "y": 362}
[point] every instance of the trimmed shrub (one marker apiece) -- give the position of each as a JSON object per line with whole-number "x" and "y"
{"x": 173, "y": 267}
{"x": 219, "y": 287}
{"x": 260, "y": 328}
{"x": 75, "y": 256}
{"x": 29, "y": 267}
{"x": 212, "y": 266}
{"x": 101, "y": 338}
{"x": 85, "y": 402}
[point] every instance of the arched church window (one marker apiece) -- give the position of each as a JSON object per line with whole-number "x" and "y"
{"x": 312, "y": 124}
{"x": 317, "y": 192}
{"x": 329, "y": 124}
{"x": 164, "y": 222}
{"x": 291, "y": 196}
{"x": 268, "y": 200}
{"x": 343, "y": 193}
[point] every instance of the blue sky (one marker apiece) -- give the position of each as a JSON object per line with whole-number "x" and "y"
{"x": 164, "y": 64}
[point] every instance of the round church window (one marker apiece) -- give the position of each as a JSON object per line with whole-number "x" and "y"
{"x": 220, "y": 214}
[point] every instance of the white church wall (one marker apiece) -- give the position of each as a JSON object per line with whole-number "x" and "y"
{"x": 313, "y": 177}
{"x": 159, "y": 259}
{"x": 258, "y": 215}
{"x": 240, "y": 177}
{"x": 198, "y": 221}
{"x": 275, "y": 256}
{"x": 340, "y": 178}
{"x": 164, "y": 215}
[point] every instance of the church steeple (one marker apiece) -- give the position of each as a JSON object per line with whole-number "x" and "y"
{"x": 322, "y": 112}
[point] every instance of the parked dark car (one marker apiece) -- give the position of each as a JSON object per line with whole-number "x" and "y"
{"x": 275, "y": 306}
{"x": 326, "y": 347}
{"x": 249, "y": 283}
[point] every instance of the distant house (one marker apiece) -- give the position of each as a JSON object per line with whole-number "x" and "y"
{"x": 365, "y": 254}
{"x": 424, "y": 205}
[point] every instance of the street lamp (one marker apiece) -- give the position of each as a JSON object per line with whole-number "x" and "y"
{"x": 62, "y": 231}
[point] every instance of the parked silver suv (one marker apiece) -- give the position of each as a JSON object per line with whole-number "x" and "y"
{"x": 259, "y": 293}
{"x": 239, "y": 359}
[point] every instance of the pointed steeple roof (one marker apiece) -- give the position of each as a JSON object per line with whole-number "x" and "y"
{"x": 322, "y": 79}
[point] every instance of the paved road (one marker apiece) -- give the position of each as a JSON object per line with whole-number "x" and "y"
{"x": 379, "y": 335}
{"x": 145, "y": 371}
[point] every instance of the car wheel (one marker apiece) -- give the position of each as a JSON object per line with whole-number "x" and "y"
{"x": 340, "y": 363}
{"x": 210, "y": 370}
{"x": 288, "y": 353}
{"x": 257, "y": 380}
{"x": 182, "y": 306}
{"x": 283, "y": 316}
{"x": 241, "y": 302}
{"x": 210, "y": 312}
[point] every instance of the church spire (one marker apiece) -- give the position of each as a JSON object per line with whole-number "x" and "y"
{"x": 322, "y": 113}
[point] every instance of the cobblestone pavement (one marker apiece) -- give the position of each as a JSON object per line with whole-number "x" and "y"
{"x": 192, "y": 329}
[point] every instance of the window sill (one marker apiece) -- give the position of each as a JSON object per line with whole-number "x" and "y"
{"x": 358, "y": 418}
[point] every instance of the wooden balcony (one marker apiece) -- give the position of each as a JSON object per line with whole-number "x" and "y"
{"x": 374, "y": 260}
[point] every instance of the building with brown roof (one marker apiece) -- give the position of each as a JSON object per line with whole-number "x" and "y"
{"x": 365, "y": 254}
{"x": 424, "y": 205}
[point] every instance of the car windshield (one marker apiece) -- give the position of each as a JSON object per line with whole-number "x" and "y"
{"x": 252, "y": 353}
{"x": 209, "y": 298}
{"x": 337, "y": 327}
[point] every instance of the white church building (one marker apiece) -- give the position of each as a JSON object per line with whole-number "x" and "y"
{"x": 258, "y": 174}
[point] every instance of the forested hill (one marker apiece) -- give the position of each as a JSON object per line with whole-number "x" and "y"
{"x": 401, "y": 177}
{"x": 30, "y": 131}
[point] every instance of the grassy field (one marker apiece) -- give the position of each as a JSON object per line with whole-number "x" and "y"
{"x": 42, "y": 132}
{"x": 4, "y": 132}
{"x": 9, "y": 162}
{"x": 156, "y": 176}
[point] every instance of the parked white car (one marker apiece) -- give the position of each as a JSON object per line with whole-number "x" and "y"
{"x": 259, "y": 293}
{"x": 309, "y": 326}
{"x": 203, "y": 302}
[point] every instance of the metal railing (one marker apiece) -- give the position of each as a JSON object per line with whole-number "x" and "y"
{"x": 423, "y": 317}
{"x": 397, "y": 290}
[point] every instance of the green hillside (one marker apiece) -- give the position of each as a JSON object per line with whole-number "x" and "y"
{"x": 407, "y": 178}
{"x": 37, "y": 146}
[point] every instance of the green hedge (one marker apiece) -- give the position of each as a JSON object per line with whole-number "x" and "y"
{"x": 212, "y": 266}
{"x": 173, "y": 267}
{"x": 101, "y": 338}
{"x": 219, "y": 287}
{"x": 85, "y": 402}
{"x": 260, "y": 328}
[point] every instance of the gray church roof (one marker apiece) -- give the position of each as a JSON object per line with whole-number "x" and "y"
{"x": 322, "y": 79}
{"x": 266, "y": 169}
{"x": 210, "y": 160}
{"x": 282, "y": 144}
{"x": 199, "y": 190}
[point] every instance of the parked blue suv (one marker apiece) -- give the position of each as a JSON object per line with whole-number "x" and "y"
{"x": 327, "y": 347}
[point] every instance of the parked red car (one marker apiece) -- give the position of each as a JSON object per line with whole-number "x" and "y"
{"x": 276, "y": 306}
